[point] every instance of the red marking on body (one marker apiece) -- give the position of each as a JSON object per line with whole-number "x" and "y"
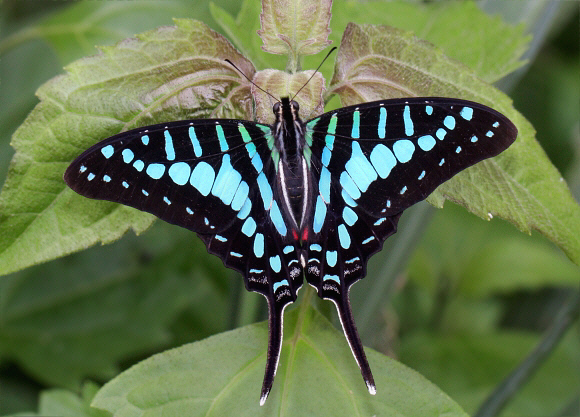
{"x": 305, "y": 235}
{"x": 294, "y": 234}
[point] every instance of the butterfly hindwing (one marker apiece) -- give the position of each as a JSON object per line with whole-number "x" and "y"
{"x": 373, "y": 161}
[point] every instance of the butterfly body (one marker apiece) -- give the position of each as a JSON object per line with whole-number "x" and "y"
{"x": 296, "y": 199}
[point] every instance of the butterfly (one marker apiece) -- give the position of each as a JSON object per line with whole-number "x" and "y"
{"x": 294, "y": 200}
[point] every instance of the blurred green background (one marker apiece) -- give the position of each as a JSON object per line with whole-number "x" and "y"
{"x": 472, "y": 301}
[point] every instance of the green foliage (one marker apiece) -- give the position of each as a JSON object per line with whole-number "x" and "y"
{"x": 314, "y": 355}
{"x": 92, "y": 314}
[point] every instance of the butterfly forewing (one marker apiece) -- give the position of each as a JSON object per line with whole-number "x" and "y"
{"x": 201, "y": 175}
{"x": 388, "y": 155}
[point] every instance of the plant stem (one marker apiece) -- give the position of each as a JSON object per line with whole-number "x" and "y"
{"x": 507, "y": 389}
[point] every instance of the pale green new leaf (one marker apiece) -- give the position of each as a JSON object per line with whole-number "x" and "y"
{"x": 295, "y": 27}
{"x": 171, "y": 73}
{"x": 519, "y": 185}
{"x": 222, "y": 376}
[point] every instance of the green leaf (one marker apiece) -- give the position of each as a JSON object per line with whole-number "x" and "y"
{"x": 171, "y": 73}
{"x": 316, "y": 376}
{"x": 480, "y": 259}
{"x": 484, "y": 43}
{"x": 74, "y": 31}
{"x": 468, "y": 367}
{"x": 241, "y": 31}
{"x": 80, "y": 317}
{"x": 294, "y": 28}
{"x": 62, "y": 403}
{"x": 519, "y": 185}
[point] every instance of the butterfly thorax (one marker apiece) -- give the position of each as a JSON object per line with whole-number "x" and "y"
{"x": 292, "y": 169}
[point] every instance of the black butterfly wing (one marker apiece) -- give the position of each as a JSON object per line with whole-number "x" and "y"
{"x": 211, "y": 177}
{"x": 373, "y": 161}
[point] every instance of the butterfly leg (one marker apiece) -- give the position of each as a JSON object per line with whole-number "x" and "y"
{"x": 275, "y": 324}
{"x": 349, "y": 328}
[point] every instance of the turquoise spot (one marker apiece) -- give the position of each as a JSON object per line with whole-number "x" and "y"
{"x": 240, "y": 196}
{"x": 421, "y": 176}
{"x": 226, "y": 182}
{"x": 348, "y": 199}
{"x": 316, "y": 247}
{"x": 426, "y": 142}
{"x": 127, "y": 155}
{"x": 383, "y": 160}
{"x": 329, "y": 141}
{"x": 324, "y": 184}
{"x": 288, "y": 249}
{"x": 466, "y": 113}
{"x": 195, "y": 142}
{"x": 388, "y": 203}
{"x": 429, "y": 110}
{"x": 139, "y": 165}
{"x": 108, "y": 151}
{"x": 403, "y": 190}
{"x": 180, "y": 173}
{"x": 367, "y": 240}
{"x": 167, "y": 200}
{"x": 257, "y": 162}
{"x": 256, "y": 271}
{"x": 332, "y": 124}
{"x": 442, "y": 162}
{"x": 189, "y": 211}
{"x": 275, "y": 263}
{"x": 403, "y": 150}
{"x": 259, "y": 245}
{"x": 145, "y": 193}
{"x": 349, "y": 186}
{"x": 343, "y": 236}
{"x": 409, "y": 129}
{"x": 245, "y": 210}
{"x": 222, "y": 138}
{"x": 489, "y": 134}
{"x": 331, "y": 257}
{"x": 440, "y": 133}
{"x": 458, "y": 149}
{"x": 355, "y": 133}
{"x": 145, "y": 140}
{"x": 496, "y": 124}
{"x": 106, "y": 178}
{"x": 125, "y": 184}
{"x": 349, "y": 216}
{"x": 155, "y": 171}
{"x": 326, "y": 156}
{"x": 169, "y": 151}
{"x": 251, "y": 148}
{"x": 381, "y": 220}
{"x": 265, "y": 191}
{"x": 244, "y": 132}
{"x": 277, "y": 285}
{"x": 276, "y": 218}
{"x": 331, "y": 278}
{"x": 236, "y": 254}
{"x": 474, "y": 139}
{"x": 381, "y": 130}
{"x": 449, "y": 122}
{"x": 249, "y": 227}
{"x": 202, "y": 178}
{"x": 82, "y": 169}
{"x": 319, "y": 215}
{"x": 360, "y": 169}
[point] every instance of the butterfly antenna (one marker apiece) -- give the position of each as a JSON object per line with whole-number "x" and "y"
{"x": 315, "y": 71}
{"x": 251, "y": 82}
